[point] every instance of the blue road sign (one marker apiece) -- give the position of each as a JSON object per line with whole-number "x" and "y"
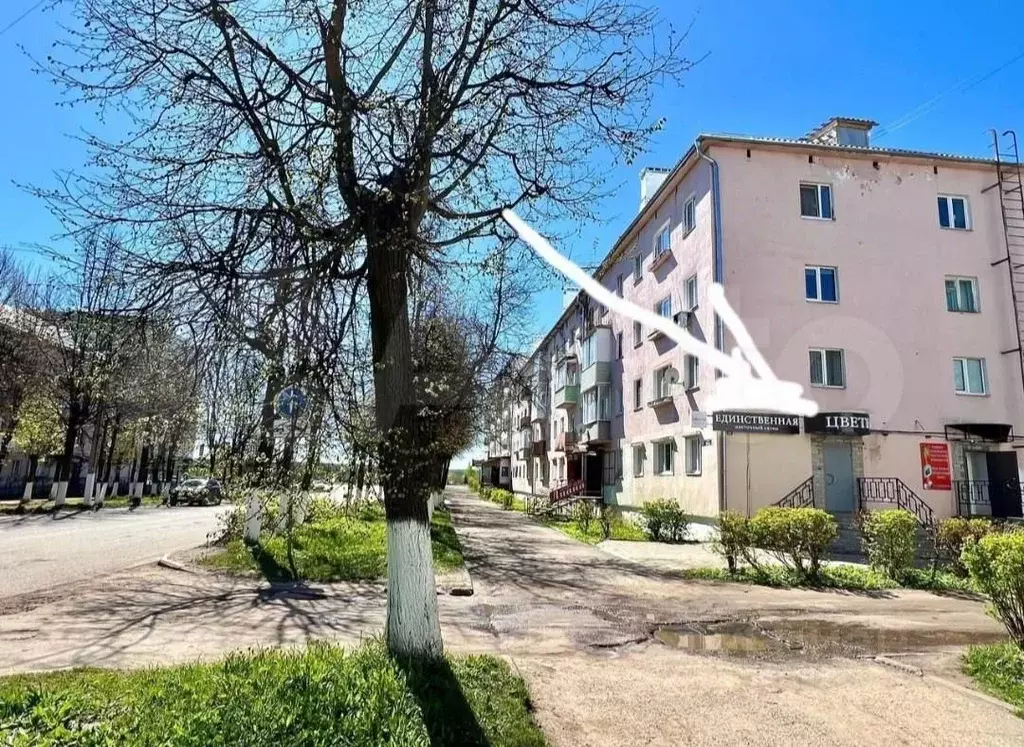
{"x": 291, "y": 402}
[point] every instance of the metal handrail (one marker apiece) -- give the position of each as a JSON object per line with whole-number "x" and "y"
{"x": 894, "y": 490}
{"x": 802, "y": 496}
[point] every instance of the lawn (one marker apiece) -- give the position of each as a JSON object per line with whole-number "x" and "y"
{"x": 999, "y": 670}
{"x": 320, "y": 695}
{"x": 621, "y": 530}
{"x": 46, "y": 506}
{"x": 845, "y": 577}
{"x": 337, "y": 548}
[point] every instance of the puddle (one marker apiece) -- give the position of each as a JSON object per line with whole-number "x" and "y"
{"x": 810, "y": 638}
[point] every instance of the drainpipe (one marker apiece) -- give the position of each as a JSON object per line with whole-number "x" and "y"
{"x": 718, "y": 272}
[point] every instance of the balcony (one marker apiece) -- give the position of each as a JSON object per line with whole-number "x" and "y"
{"x": 664, "y": 402}
{"x": 525, "y": 420}
{"x": 565, "y": 441}
{"x": 597, "y": 373}
{"x": 539, "y": 448}
{"x": 598, "y": 432}
{"x": 539, "y": 412}
{"x": 660, "y": 260}
{"x": 567, "y": 397}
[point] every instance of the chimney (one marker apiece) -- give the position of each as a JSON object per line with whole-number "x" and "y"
{"x": 843, "y": 131}
{"x": 650, "y": 180}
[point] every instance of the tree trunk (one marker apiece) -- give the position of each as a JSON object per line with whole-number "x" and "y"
{"x": 412, "y": 627}
{"x": 63, "y": 474}
{"x": 316, "y": 422}
{"x": 265, "y": 449}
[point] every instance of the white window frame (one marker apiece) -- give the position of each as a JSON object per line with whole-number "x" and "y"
{"x": 831, "y": 201}
{"x": 618, "y": 346}
{"x": 817, "y": 283}
{"x": 693, "y": 453}
{"x": 588, "y": 352}
{"x": 659, "y": 450}
{"x": 689, "y": 214}
{"x": 966, "y": 392}
{"x": 662, "y": 387}
{"x": 691, "y": 371}
{"x": 690, "y": 292}
{"x": 957, "y": 279}
{"x": 666, "y": 231}
{"x": 824, "y": 367}
{"x": 638, "y": 334}
{"x": 659, "y": 307}
{"x": 619, "y": 282}
{"x": 638, "y": 393}
{"x": 639, "y": 457}
{"x": 638, "y": 267}
{"x": 949, "y": 211}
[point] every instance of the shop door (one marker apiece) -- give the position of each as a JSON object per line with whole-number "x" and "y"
{"x": 1003, "y": 483}
{"x": 592, "y": 469}
{"x": 839, "y": 490}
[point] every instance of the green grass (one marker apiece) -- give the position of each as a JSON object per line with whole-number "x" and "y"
{"x": 621, "y": 530}
{"x": 41, "y": 506}
{"x": 999, "y": 670}
{"x": 846, "y": 577}
{"x": 320, "y": 695}
{"x": 337, "y": 548}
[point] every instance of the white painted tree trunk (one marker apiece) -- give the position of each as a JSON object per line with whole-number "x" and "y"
{"x": 252, "y": 519}
{"x": 29, "y": 487}
{"x": 53, "y": 490}
{"x": 62, "y": 493}
{"x": 101, "y": 493}
{"x": 88, "y": 497}
{"x": 413, "y": 628}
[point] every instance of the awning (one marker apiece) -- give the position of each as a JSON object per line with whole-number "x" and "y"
{"x": 984, "y": 431}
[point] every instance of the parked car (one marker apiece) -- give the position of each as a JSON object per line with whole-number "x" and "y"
{"x": 204, "y": 491}
{"x": 321, "y": 485}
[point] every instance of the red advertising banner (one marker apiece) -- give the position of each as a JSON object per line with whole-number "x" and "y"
{"x": 935, "y": 470}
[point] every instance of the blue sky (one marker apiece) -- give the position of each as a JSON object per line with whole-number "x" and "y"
{"x": 771, "y": 69}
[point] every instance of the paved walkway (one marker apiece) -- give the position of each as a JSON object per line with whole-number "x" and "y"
{"x": 577, "y": 622}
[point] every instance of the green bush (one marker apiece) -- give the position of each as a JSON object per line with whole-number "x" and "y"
{"x": 797, "y": 537}
{"x": 605, "y": 520}
{"x": 485, "y": 492}
{"x": 583, "y": 514}
{"x": 996, "y": 565}
{"x": 956, "y": 532}
{"x": 890, "y": 540}
{"x": 665, "y": 520}
{"x": 734, "y": 539}
{"x": 504, "y": 498}
{"x": 321, "y": 508}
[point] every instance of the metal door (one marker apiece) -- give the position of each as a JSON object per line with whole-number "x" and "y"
{"x": 1003, "y": 484}
{"x": 839, "y": 490}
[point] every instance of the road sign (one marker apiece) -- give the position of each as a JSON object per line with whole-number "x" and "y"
{"x": 291, "y": 403}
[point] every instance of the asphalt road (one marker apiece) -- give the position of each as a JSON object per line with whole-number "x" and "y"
{"x": 39, "y": 552}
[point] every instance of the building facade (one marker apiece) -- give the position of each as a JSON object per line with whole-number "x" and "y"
{"x": 883, "y": 281}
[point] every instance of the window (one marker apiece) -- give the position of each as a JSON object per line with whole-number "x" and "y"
{"x": 618, "y": 285}
{"x": 662, "y": 383}
{"x": 638, "y": 460}
{"x": 618, "y": 464}
{"x": 691, "y": 293}
{"x": 664, "y": 457}
{"x": 969, "y": 376}
{"x": 618, "y": 346}
{"x": 621, "y": 401}
{"x": 693, "y": 454}
{"x": 638, "y": 267}
{"x": 820, "y": 284}
{"x": 816, "y": 201}
{"x": 596, "y": 405}
{"x": 662, "y": 241}
{"x": 638, "y": 393}
{"x": 689, "y": 214}
{"x": 589, "y": 350}
{"x": 638, "y": 334}
{"x": 691, "y": 364}
{"x": 664, "y": 307}
{"x": 827, "y": 368}
{"x": 953, "y": 212}
{"x": 962, "y": 295}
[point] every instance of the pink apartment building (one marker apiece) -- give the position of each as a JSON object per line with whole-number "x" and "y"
{"x": 884, "y": 281}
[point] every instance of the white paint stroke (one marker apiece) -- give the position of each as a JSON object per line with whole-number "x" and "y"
{"x": 737, "y": 389}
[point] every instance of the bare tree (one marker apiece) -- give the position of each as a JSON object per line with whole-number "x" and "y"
{"x": 385, "y": 137}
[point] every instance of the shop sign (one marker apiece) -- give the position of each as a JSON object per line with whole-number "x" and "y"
{"x": 698, "y": 419}
{"x": 845, "y": 423}
{"x": 755, "y": 422}
{"x": 935, "y": 470}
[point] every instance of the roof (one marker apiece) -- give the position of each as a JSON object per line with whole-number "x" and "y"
{"x": 707, "y": 138}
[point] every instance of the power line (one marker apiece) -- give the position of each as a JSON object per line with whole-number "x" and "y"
{"x": 962, "y": 87}
{"x": 20, "y": 18}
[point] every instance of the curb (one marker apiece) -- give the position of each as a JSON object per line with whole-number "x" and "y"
{"x": 174, "y": 565}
